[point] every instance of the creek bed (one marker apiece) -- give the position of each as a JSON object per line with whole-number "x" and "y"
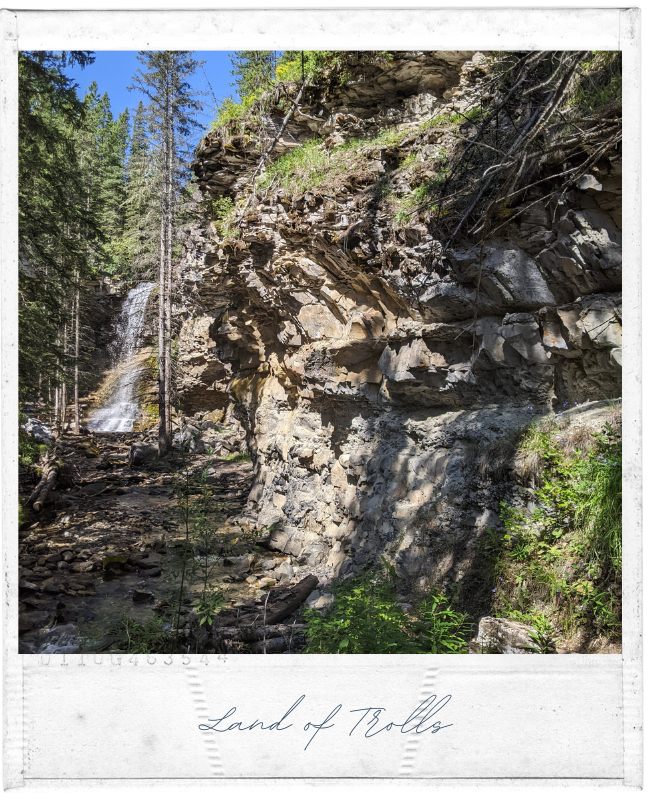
{"x": 129, "y": 514}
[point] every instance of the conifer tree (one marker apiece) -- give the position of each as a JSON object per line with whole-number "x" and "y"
{"x": 113, "y": 189}
{"x": 57, "y": 232}
{"x": 253, "y": 70}
{"x": 170, "y": 122}
{"x": 142, "y": 205}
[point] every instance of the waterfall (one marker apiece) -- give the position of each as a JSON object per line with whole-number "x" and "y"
{"x": 121, "y": 409}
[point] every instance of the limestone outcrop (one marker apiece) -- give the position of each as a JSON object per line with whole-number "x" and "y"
{"x": 382, "y": 398}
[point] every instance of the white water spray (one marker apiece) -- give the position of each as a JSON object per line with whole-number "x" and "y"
{"x": 121, "y": 410}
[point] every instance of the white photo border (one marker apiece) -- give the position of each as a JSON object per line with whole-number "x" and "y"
{"x": 502, "y": 705}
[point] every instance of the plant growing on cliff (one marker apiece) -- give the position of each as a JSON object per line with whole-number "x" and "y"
{"x": 563, "y": 553}
{"x": 495, "y": 162}
{"x": 222, "y": 212}
{"x": 300, "y": 169}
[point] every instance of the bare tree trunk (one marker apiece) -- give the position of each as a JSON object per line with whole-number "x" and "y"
{"x": 64, "y": 388}
{"x": 76, "y": 362}
{"x": 170, "y": 223}
{"x": 162, "y": 422}
{"x": 57, "y": 389}
{"x": 56, "y": 406}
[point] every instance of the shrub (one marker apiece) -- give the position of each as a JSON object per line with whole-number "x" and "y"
{"x": 365, "y": 618}
{"x": 564, "y": 552}
{"x": 29, "y": 450}
{"x": 232, "y": 112}
{"x": 236, "y": 457}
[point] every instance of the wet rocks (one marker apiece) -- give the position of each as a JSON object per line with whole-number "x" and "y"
{"x": 147, "y": 561}
{"x": 142, "y": 596}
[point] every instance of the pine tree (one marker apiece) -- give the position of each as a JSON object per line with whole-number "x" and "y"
{"x": 56, "y": 230}
{"x": 253, "y": 70}
{"x": 170, "y": 122}
{"x": 142, "y": 205}
{"x": 113, "y": 189}
{"x": 102, "y": 144}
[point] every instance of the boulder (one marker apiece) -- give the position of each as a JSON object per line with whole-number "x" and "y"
{"x": 142, "y": 453}
{"x": 499, "y": 635}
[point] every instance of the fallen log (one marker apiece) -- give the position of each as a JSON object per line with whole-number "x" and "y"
{"x": 299, "y": 593}
{"x": 49, "y": 474}
{"x": 256, "y": 633}
{"x": 276, "y": 645}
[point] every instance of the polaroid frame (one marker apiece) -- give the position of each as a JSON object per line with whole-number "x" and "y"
{"x": 515, "y": 719}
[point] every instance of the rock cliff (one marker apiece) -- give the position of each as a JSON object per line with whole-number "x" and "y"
{"x": 382, "y": 380}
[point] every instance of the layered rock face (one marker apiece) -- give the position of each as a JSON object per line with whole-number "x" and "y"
{"x": 382, "y": 399}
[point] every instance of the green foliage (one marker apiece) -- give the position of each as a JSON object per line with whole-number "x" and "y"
{"x": 253, "y": 70}
{"x": 422, "y": 193}
{"x": 222, "y": 212}
{"x": 439, "y": 628}
{"x": 236, "y": 457}
{"x": 143, "y": 200}
{"x": 209, "y": 605}
{"x": 599, "y": 498}
{"x": 195, "y": 508}
{"x": 254, "y": 73}
{"x": 300, "y": 169}
{"x": 258, "y": 71}
{"x": 600, "y": 86}
{"x": 564, "y": 552}
{"x": 59, "y": 240}
{"x": 161, "y": 152}
{"x": 152, "y": 410}
{"x": 312, "y": 165}
{"x": 230, "y": 111}
{"x": 294, "y": 65}
{"x": 365, "y": 618}
{"x": 544, "y": 635}
{"x": 29, "y": 450}
{"x": 133, "y": 636}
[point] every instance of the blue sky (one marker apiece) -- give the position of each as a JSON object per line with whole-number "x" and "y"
{"x": 113, "y": 71}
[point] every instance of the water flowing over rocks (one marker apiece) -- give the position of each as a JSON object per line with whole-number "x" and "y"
{"x": 382, "y": 402}
{"x": 122, "y": 409}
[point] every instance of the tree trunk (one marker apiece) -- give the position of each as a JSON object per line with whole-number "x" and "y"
{"x": 162, "y": 423}
{"x": 170, "y": 222}
{"x": 76, "y": 362}
{"x": 49, "y": 474}
{"x": 64, "y": 388}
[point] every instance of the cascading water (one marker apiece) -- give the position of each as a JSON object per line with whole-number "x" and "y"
{"x": 121, "y": 410}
